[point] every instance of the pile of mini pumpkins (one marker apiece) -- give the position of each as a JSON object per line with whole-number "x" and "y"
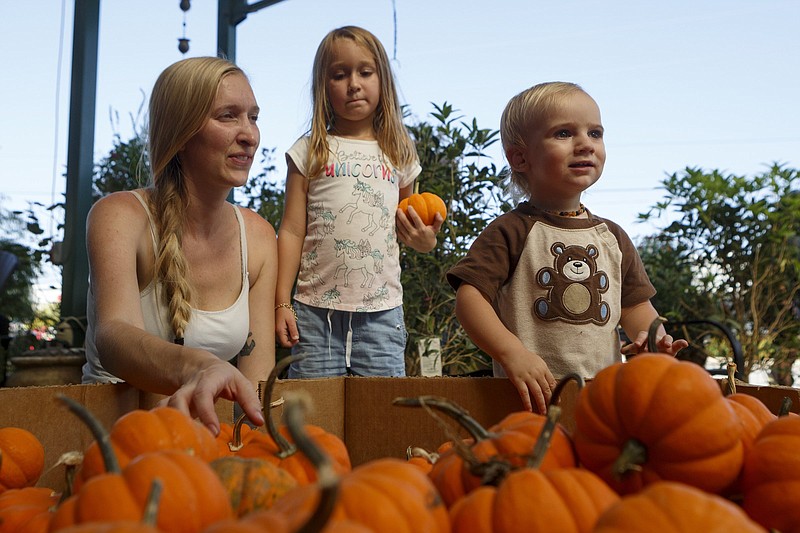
{"x": 657, "y": 447}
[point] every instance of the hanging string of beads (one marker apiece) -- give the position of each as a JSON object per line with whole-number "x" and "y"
{"x": 183, "y": 42}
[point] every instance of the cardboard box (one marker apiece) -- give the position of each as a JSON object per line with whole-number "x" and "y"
{"x": 358, "y": 410}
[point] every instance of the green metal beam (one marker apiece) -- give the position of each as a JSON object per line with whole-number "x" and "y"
{"x": 80, "y": 157}
{"x": 230, "y": 14}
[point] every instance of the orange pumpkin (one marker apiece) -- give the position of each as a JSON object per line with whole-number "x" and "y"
{"x": 771, "y": 476}
{"x": 252, "y": 484}
{"x": 529, "y": 499}
{"x": 21, "y": 458}
{"x": 27, "y": 510}
{"x": 426, "y": 205}
{"x": 657, "y": 418}
{"x": 141, "y": 430}
{"x": 194, "y": 496}
{"x": 568, "y": 500}
{"x": 385, "y": 494}
{"x": 276, "y": 445}
{"x": 463, "y": 466}
{"x": 670, "y": 507}
{"x": 145, "y": 525}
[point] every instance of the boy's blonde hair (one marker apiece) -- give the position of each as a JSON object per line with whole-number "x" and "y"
{"x": 390, "y": 132}
{"x": 180, "y": 104}
{"x": 521, "y": 115}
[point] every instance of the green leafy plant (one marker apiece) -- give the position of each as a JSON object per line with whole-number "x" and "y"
{"x": 731, "y": 252}
{"x": 452, "y": 153}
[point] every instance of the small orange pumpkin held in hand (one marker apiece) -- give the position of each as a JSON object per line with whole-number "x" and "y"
{"x": 426, "y": 205}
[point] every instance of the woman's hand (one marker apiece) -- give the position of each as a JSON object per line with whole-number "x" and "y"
{"x": 219, "y": 379}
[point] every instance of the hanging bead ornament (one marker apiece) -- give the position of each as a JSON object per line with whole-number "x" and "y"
{"x": 183, "y": 42}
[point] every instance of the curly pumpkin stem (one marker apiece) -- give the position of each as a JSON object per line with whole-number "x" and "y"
{"x": 652, "y": 342}
{"x": 100, "y": 434}
{"x": 286, "y": 448}
{"x": 476, "y": 431}
{"x": 416, "y": 451}
{"x": 545, "y": 437}
{"x": 630, "y": 459}
{"x": 556, "y": 395}
{"x": 71, "y": 461}
{"x": 328, "y": 480}
{"x": 453, "y": 410}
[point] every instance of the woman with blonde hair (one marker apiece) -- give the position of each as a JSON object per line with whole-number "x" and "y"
{"x": 179, "y": 276}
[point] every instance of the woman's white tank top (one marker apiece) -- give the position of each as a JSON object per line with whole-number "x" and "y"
{"x": 223, "y": 333}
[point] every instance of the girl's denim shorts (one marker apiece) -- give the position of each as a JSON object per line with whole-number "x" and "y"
{"x": 340, "y": 343}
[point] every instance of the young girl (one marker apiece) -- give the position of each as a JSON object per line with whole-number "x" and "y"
{"x": 338, "y": 236}
{"x": 544, "y": 286}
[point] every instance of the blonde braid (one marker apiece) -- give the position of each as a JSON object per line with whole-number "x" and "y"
{"x": 179, "y": 107}
{"x": 171, "y": 267}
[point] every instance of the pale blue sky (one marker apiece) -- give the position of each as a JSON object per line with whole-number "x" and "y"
{"x": 702, "y": 83}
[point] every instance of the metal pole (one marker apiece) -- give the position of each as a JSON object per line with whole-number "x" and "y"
{"x": 80, "y": 153}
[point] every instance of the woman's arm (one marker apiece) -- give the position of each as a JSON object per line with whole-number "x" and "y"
{"x": 257, "y": 358}
{"x": 121, "y": 264}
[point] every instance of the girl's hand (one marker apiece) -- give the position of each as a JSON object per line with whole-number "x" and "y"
{"x": 286, "y": 327}
{"x": 413, "y": 232}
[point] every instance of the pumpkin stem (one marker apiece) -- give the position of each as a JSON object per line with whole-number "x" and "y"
{"x": 150, "y": 516}
{"x": 100, "y": 434}
{"x": 630, "y": 459}
{"x": 451, "y": 409}
{"x": 285, "y": 447}
{"x": 415, "y": 451}
{"x": 786, "y": 406}
{"x": 545, "y": 436}
{"x": 490, "y": 471}
{"x": 731, "y": 377}
{"x": 236, "y": 443}
{"x": 328, "y": 480}
{"x": 556, "y": 396}
{"x": 652, "y": 343}
{"x": 71, "y": 461}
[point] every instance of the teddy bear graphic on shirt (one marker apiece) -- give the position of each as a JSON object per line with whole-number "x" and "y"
{"x": 574, "y": 286}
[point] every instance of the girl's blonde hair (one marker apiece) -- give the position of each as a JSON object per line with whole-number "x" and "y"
{"x": 391, "y": 134}
{"x": 180, "y": 104}
{"x": 522, "y": 113}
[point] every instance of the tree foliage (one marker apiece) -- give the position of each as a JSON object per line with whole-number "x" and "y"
{"x": 455, "y": 167}
{"x": 732, "y": 253}
{"x": 16, "y": 296}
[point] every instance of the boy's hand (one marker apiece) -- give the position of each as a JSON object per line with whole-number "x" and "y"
{"x": 533, "y": 380}
{"x": 665, "y": 344}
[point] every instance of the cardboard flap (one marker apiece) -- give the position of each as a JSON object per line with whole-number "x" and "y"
{"x": 772, "y": 396}
{"x": 327, "y": 402}
{"x": 374, "y": 427}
